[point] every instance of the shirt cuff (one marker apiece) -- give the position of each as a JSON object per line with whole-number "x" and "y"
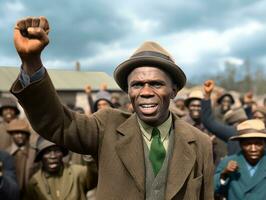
{"x": 25, "y": 79}
{"x": 224, "y": 182}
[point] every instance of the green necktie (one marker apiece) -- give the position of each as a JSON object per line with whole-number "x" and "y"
{"x": 157, "y": 151}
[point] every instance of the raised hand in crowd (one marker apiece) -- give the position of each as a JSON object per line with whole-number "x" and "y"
{"x": 30, "y": 38}
{"x": 208, "y": 88}
{"x": 231, "y": 167}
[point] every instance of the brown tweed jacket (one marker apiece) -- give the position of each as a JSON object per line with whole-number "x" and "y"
{"x": 115, "y": 141}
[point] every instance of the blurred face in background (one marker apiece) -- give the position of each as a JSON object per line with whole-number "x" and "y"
{"x": 194, "y": 109}
{"x": 103, "y": 104}
{"x": 226, "y": 104}
{"x": 20, "y": 138}
{"x": 180, "y": 104}
{"x": 8, "y": 114}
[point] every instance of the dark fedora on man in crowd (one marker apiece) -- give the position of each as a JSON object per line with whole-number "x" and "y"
{"x": 219, "y": 100}
{"x": 43, "y": 144}
{"x": 6, "y": 102}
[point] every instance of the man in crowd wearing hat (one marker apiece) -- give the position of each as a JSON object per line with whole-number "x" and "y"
{"x": 242, "y": 175}
{"x": 22, "y": 152}
{"x": 193, "y": 104}
{"x": 224, "y": 102}
{"x": 8, "y": 111}
{"x": 150, "y": 154}
{"x": 9, "y": 188}
{"x": 56, "y": 180}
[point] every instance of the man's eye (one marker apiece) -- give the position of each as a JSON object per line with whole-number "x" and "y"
{"x": 156, "y": 85}
{"x": 137, "y": 85}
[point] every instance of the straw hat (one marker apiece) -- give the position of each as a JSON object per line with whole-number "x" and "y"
{"x": 194, "y": 95}
{"x": 252, "y": 128}
{"x": 149, "y": 54}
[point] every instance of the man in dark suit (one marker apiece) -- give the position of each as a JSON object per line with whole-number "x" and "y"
{"x": 9, "y": 188}
{"x": 151, "y": 154}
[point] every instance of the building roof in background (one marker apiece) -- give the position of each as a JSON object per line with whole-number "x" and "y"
{"x": 64, "y": 80}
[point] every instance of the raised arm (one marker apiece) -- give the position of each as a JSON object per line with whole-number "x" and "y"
{"x": 222, "y": 131}
{"x": 39, "y": 99}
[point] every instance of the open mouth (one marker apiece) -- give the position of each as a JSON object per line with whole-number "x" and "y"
{"x": 148, "y": 109}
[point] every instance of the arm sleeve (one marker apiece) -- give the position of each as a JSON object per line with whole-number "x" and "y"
{"x": 9, "y": 188}
{"x": 53, "y": 121}
{"x": 222, "y": 131}
{"x": 220, "y": 188}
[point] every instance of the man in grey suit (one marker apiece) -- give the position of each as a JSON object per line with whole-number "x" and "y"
{"x": 151, "y": 154}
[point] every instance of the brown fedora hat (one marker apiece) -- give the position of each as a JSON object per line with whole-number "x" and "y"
{"x": 18, "y": 125}
{"x": 252, "y": 128}
{"x": 149, "y": 54}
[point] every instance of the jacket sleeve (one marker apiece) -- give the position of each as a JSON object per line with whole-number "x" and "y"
{"x": 53, "y": 121}
{"x": 222, "y": 131}
{"x": 9, "y": 188}
{"x": 219, "y": 188}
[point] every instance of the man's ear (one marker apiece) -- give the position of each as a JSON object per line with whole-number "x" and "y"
{"x": 174, "y": 91}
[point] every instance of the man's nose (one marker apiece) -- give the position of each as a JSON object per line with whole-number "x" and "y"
{"x": 253, "y": 147}
{"x": 146, "y": 91}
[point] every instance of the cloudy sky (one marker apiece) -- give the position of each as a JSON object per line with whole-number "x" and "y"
{"x": 201, "y": 35}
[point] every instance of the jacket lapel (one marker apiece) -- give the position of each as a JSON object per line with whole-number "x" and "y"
{"x": 182, "y": 160}
{"x": 129, "y": 148}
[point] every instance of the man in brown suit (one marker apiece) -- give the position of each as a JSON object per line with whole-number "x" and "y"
{"x": 151, "y": 154}
{"x": 22, "y": 152}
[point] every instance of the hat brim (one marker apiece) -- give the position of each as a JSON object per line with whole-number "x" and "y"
{"x": 187, "y": 101}
{"x": 123, "y": 70}
{"x": 248, "y": 135}
{"x": 40, "y": 153}
{"x": 224, "y": 95}
{"x": 17, "y": 111}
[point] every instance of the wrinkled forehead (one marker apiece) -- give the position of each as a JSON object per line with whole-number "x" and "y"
{"x": 149, "y": 72}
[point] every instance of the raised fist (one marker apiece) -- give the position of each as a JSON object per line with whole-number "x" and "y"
{"x": 30, "y": 38}
{"x": 208, "y": 87}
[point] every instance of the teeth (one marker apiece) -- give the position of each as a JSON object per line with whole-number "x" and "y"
{"x": 147, "y": 106}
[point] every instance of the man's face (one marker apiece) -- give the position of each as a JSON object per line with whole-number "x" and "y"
{"x": 180, "y": 104}
{"x": 103, "y": 104}
{"x": 150, "y": 90}
{"x": 20, "y": 138}
{"x": 253, "y": 149}
{"x": 52, "y": 159}
{"x": 194, "y": 109}
{"x": 8, "y": 114}
{"x": 226, "y": 104}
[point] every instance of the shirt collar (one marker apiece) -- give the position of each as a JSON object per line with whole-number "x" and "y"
{"x": 164, "y": 128}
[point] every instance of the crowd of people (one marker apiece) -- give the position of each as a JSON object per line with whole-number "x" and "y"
{"x": 152, "y": 145}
